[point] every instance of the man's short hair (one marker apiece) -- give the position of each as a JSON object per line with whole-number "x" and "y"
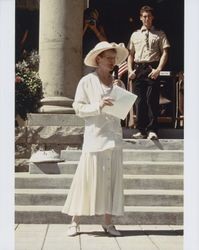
{"x": 146, "y": 8}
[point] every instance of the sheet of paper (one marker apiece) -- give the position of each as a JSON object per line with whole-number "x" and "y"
{"x": 123, "y": 102}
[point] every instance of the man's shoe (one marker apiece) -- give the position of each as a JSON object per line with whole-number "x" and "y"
{"x": 110, "y": 229}
{"x": 152, "y": 136}
{"x": 139, "y": 135}
{"x": 73, "y": 229}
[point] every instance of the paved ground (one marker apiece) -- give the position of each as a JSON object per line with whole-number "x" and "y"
{"x": 142, "y": 237}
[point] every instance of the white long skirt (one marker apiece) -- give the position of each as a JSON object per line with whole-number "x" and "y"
{"x": 97, "y": 186}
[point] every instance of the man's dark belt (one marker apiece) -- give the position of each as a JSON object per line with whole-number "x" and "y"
{"x": 142, "y": 70}
{"x": 152, "y": 64}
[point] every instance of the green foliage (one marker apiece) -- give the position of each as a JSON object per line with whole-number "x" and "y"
{"x": 28, "y": 86}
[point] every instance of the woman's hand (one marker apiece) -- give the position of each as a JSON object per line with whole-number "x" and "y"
{"x": 119, "y": 83}
{"x": 106, "y": 101}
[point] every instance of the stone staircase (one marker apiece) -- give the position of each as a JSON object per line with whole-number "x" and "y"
{"x": 153, "y": 185}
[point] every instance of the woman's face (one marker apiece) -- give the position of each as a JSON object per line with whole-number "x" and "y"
{"x": 106, "y": 60}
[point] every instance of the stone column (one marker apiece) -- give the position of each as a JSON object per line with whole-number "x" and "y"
{"x": 60, "y": 49}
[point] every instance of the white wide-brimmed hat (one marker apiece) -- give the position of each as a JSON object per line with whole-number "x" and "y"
{"x": 45, "y": 156}
{"x": 122, "y": 53}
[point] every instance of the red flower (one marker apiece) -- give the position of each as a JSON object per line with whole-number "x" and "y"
{"x": 18, "y": 79}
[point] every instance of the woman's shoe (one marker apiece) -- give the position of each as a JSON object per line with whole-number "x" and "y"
{"x": 73, "y": 229}
{"x": 111, "y": 230}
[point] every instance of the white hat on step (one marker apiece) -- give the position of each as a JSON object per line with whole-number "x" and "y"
{"x": 45, "y": 156}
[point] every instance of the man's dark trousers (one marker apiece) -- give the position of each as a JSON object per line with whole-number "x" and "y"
{"x": 147, "y": 103}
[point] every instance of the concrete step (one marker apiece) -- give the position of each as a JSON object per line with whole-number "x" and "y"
{"x": 134, "y": 215}
{"x": 63, "y": 181}
{"x": 153, "y": 168}
{"x": 132, "y": 197}
{"x": 134, "y": 154}
{"x": 21, "y": 165}
{"x": 161, "y": 144}
{"x": 130, "y": 167}
{"x": 153, "y": 182}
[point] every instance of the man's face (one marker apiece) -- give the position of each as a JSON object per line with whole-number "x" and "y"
{"x": 147, "y": 19}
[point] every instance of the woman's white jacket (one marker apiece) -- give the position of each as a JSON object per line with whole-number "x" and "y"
{"x": 102, "y": 131}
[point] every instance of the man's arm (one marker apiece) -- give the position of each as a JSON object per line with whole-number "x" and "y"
{"x": 130, "y": 61}
{"x": 163, "y": 59}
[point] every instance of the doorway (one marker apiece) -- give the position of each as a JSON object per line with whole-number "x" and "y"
{"x": 121, "y": 17}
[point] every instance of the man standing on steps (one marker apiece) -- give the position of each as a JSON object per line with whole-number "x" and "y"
{"x": 148, "y": 55}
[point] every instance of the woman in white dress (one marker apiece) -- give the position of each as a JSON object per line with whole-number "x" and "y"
{"x": 97, "y": 187}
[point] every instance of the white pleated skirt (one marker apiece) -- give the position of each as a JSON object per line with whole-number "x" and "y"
{"x": 97, "y": 186}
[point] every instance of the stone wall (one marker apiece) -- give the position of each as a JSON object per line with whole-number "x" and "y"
{"x": 47, "y": 131}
